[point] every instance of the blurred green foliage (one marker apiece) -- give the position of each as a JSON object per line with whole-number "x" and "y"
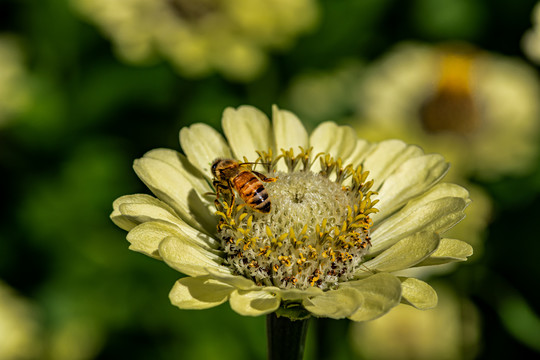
{"x": 68, "y": 155}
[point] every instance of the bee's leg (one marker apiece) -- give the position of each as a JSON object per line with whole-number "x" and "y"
{"x": 229, "y": 211}
{"x": 219, "y": 189}
{"x": 263, "y": 177}
{"x": 217, "y": 184}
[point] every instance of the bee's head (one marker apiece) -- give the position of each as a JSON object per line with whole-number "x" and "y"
{"x": 221, "y": 167}
{"x": 216, "y": 166}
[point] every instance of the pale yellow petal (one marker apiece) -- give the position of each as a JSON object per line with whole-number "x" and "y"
{"x": 248, "y": 130}
{"x": 183, "y": 255}
{"x": 150, "y": 211}
{"x": 171, "y": 186}
{"x": 449, "y": 250}
{"x": 136, "y": 209}
{"x": 254, "y": 303}
{"x": 202, "y": 144}
{"x": 442, "y": 190}
{"x": 180, "y": 163}
{"x": 146, "y": 237}
{"x": 199, "y": 293}
{"x": 335, "y": 304}
{"x": 413, "y": 177}
{"x": 131, "y": 210}
{"x": 361, "y": 149}
{"x": 387, "y": 156}
{"x": 143, "y": 212}
{"x": 417, "y": 293}
{"x": 330, "y": 138}
{"x": 435, "y": 216}
{"x": 296, "y": 294}
{"x": 405, "y": 253}
{"x": 289, "y": 133}
{"x": 237, "y": 281}
{"x": 381, "y": 292}
{"x": 439, "y": 191}
{"x": 358, "y": 155}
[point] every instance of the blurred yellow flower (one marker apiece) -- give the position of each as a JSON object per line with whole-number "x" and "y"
{"x": 449, "y": 332}
{"x": 75, "y": 339}
{"x": 198, "y": 37}
{"x": 325, "y": 247}
{"x": 20, "y": 332}
{"x": 14, "y": 81}
{"x": 479, "y": 109}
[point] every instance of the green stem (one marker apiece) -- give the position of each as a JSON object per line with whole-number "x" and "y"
{"x": 286, "y": 337}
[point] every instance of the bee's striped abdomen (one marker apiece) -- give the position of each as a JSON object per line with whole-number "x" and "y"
{"x": 252, "y": 191}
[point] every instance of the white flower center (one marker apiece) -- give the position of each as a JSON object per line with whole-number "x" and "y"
{"x": 303, "y": 198}
{"x": 315, "y": 234}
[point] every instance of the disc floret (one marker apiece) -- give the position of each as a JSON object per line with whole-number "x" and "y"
{"x": 317, "y": 232}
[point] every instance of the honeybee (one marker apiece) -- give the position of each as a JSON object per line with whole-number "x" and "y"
{"x": 229, "y": 174}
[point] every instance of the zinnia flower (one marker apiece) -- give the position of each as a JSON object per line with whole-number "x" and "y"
{"x": 199, "y": 37}
{"x": 478, "y": 108}
{"x": 345, "y": 216}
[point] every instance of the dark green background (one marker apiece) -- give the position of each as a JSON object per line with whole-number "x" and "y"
{"x": 64, "y": 160}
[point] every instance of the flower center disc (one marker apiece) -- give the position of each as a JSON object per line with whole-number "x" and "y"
{"x": 316, "y": 232}
{"x": 453, "y": 107}
{"x": 192, "y": 11}
{"x": 303, "y": 198}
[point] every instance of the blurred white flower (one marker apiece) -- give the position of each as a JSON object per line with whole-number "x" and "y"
{"x": 198, "y": 37}
{"x": 479, "y": 109}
